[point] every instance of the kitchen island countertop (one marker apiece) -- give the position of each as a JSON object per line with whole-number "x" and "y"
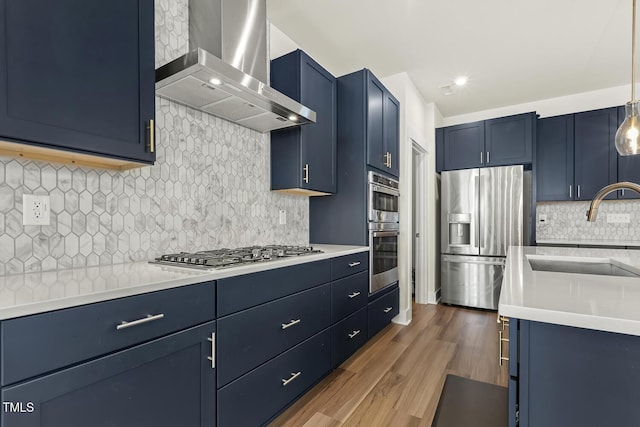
{"x": 33, "y": 293}
{"x": 599, "y": 302}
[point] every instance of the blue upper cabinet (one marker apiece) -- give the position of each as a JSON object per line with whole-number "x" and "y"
{"x": 391, "y": 120}
{"x": 463, "y": 146}
{"x": 554, "y": 158}
{"x": 628, "y": 167}
{"x": 383, "y": 117}
{"x": 496, "y": 142}
{"x": 596, "y": 162}
{"x": 439, "y": 150}
{"x": 78, "y": 77}
{"x": 303, "y": 159}
{"x": 509, "y": 140}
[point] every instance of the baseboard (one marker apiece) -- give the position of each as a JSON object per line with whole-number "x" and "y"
{"x": 434, "y": 297}
{"x": 403, "y": 317}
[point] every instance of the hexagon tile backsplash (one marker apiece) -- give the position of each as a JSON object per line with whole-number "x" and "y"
{"x": 208, "y": 189}
{"x": 567, "y": 221}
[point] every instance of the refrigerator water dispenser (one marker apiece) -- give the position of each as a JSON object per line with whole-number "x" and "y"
{"x": 460, "y": 229}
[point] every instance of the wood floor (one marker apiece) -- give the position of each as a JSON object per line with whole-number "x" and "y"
{"x": 396, "y": 378}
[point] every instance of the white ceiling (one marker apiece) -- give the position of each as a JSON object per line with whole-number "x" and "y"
{"x": 514, "y": 51}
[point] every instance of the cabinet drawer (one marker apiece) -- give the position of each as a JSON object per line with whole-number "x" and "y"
{"x": 347, "y": 336}
{"x": 166, "y": 382}
{"x": 382, "y": 310}
{"x": 256, "y": 397}
{"x": 251, "y": 337}
{"x": 349, "y": 264}
{"x": 249, "y": 290}
{"x": 348, "y": 295}
{"x": 33, "y": 345}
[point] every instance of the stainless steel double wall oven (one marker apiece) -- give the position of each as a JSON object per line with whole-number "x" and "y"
{"x": 384, "y": 228}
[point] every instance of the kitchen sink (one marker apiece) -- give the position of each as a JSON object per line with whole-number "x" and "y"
{"x": 597, "y": 267}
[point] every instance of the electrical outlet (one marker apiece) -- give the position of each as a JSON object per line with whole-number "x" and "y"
{"x": 35, "y": 210}
{"x": 618, "y": 218}
{"x": 283, "y": 217}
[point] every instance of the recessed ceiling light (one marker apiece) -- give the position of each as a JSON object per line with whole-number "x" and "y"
{"x": 461, "y": 81}
{"x": 215, "y": 81}
{"x": 293, "y": 118}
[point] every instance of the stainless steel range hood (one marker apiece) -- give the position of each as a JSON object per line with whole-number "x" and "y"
{"x": 226, "y": 67}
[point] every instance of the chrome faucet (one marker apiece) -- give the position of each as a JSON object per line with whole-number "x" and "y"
{"x": 592, "y": 213}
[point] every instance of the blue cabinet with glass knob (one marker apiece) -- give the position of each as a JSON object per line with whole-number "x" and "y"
{"x": 88, "y": 94}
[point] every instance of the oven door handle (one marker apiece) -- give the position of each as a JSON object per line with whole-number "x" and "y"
{"x": 385, "y": 190}
{"x": 385, "y": 233}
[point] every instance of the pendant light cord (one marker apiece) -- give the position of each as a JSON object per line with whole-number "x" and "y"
{"x": 633, "y": 54}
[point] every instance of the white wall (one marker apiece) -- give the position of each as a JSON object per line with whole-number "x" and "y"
{"x": 418, "y": 120}
{"x": 553, "y": 106}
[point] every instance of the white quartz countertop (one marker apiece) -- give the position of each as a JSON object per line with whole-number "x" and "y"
{"x": 32, "y": 293}
{"x": 606, "y": 303}
{"x": 589, "y": 242}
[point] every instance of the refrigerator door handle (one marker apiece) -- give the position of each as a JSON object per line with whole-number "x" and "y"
{"x": 476, "y": 220}
{"x": 467, "y": 260}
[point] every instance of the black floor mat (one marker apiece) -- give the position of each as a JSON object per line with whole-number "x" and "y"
{"x": 469, "y": 403}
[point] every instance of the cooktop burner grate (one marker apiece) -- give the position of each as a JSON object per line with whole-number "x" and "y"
{"x": 223, "y": 258}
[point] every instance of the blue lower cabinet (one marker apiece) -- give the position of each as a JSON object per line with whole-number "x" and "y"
{"x": 575, "y": 377}
{"x": 255, "y": 398}
{"x": 251, "y": 337}
{"x": 167, "y": 382}
{"x": 513, "y": 403}
{"x": 347, "y": 336}
{"x": 382, "y": 310}
{"x": 348, "y": 295}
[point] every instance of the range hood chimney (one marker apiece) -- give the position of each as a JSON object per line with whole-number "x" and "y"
{"x": 226, "y": 67}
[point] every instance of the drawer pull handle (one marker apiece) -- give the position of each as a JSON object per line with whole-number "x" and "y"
{"x": 294, "y": 375}
{"x": 501, "y": 358}
{"x": 149, "y": 318}
{"x": 290, "y": 324}
{"x": 212, "y": 358}
{"x": 388, "y": 309}
{"x": 354, "y": 333}
{"x": 354, "y": 264}
{"x": 354, "y": 294}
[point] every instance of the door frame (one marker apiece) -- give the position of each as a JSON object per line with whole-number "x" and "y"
{"x": 419, "y": 177}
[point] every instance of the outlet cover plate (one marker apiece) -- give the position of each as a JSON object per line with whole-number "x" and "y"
{"x": 35, "y": 209}
{"x": 623, "y": 218}
{"x": 282, "y": 214}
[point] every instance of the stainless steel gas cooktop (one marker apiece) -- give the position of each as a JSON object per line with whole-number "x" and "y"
{"x": 224, "y": 258}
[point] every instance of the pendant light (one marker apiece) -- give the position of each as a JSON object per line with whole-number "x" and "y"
{"x": 628, "y": 134}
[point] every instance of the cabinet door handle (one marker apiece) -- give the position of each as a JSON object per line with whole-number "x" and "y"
{"x": 293, "y": 376}
{"x": 354, "y": 333}
{"x": 290, "y": 324}
{"x": 388, "y": 309}
{"x": 152, "y": 136}
{"x": 212, "y": 358}
{"x": 305, "y": 177}
{"x": 578, "y": 191}
{"x": 501, "y": 358}
{"x": 354, "y": 264}
{"x": 481, "y": 154}
{"x": 570, "y": 191}
{"x": 487, "y": 157}
{"x": 623, "y": 192}
{"x": 390, "y": 160}
{"x": 354, "y": 294}
{"x": 149, "y": 318}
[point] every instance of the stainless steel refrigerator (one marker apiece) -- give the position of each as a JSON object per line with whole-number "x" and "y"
{"x": 482, "y": 214}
